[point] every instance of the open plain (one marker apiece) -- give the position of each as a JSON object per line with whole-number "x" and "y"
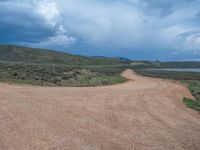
{"x": 142, "y": 114}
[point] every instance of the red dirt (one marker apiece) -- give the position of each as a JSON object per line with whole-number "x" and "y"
{"x": 141, "y": 114}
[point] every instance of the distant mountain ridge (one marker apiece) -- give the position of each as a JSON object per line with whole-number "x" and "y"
{"x": 119, "y": 58}
{"x": 13, "y": 53}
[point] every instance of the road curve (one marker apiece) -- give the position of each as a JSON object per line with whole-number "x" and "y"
{"x": 141, "y": 114}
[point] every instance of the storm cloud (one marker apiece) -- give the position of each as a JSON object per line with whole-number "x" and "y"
{"x": 138, "y": 29}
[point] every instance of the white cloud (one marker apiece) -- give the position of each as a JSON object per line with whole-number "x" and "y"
{"x": 119, "y": 24}
{"x": 49, "y": 11}
{"x": 55, "y": 42}
{"x": 132, "y": 25}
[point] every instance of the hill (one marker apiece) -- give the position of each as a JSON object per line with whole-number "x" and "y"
{"x": 119, "y": 58}
{"x": 13, "y": 53}
{"x": 51, "y": 68}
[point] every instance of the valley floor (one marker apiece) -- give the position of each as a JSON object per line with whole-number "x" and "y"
{"x": 142, "y": 114}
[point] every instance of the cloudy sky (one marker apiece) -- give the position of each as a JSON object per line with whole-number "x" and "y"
{"x": 137, "y": 29}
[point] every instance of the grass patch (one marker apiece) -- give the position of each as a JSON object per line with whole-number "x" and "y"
{"x": 194, "y": 104}
{"x": 194, "y": 87}
{"x": 56, "y": 75}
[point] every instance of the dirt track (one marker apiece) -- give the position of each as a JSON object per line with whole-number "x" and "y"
{"x": 144, "y": 113}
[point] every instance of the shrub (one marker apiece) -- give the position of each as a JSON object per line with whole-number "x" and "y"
{"x": 194, "y": 104}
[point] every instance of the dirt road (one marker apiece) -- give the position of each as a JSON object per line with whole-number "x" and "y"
{"x": 142, "y": 114}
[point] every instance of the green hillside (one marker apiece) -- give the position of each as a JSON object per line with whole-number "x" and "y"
{"x": 12, "y": 53}
{"x": 51, "y": 68}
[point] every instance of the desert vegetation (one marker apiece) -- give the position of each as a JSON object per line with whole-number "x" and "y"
{"x": 55, "y": 75}
{"x": 50, "y": 68}
{"x": 194, "y": 87}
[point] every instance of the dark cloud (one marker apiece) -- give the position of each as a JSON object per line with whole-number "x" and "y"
{"x": 17, "y": 24}
{"x": 135, "y": 28}
{"x": 29, "y": 29}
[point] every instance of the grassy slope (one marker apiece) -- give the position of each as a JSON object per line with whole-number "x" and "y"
{"x": 11, "y": 53}
{"x": 55, "y": 75}
{"x": 51, "y": 68}
{"x": 194, "y": 87}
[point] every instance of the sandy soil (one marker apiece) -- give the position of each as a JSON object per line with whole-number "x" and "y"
{"x": 142, "y": 114}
